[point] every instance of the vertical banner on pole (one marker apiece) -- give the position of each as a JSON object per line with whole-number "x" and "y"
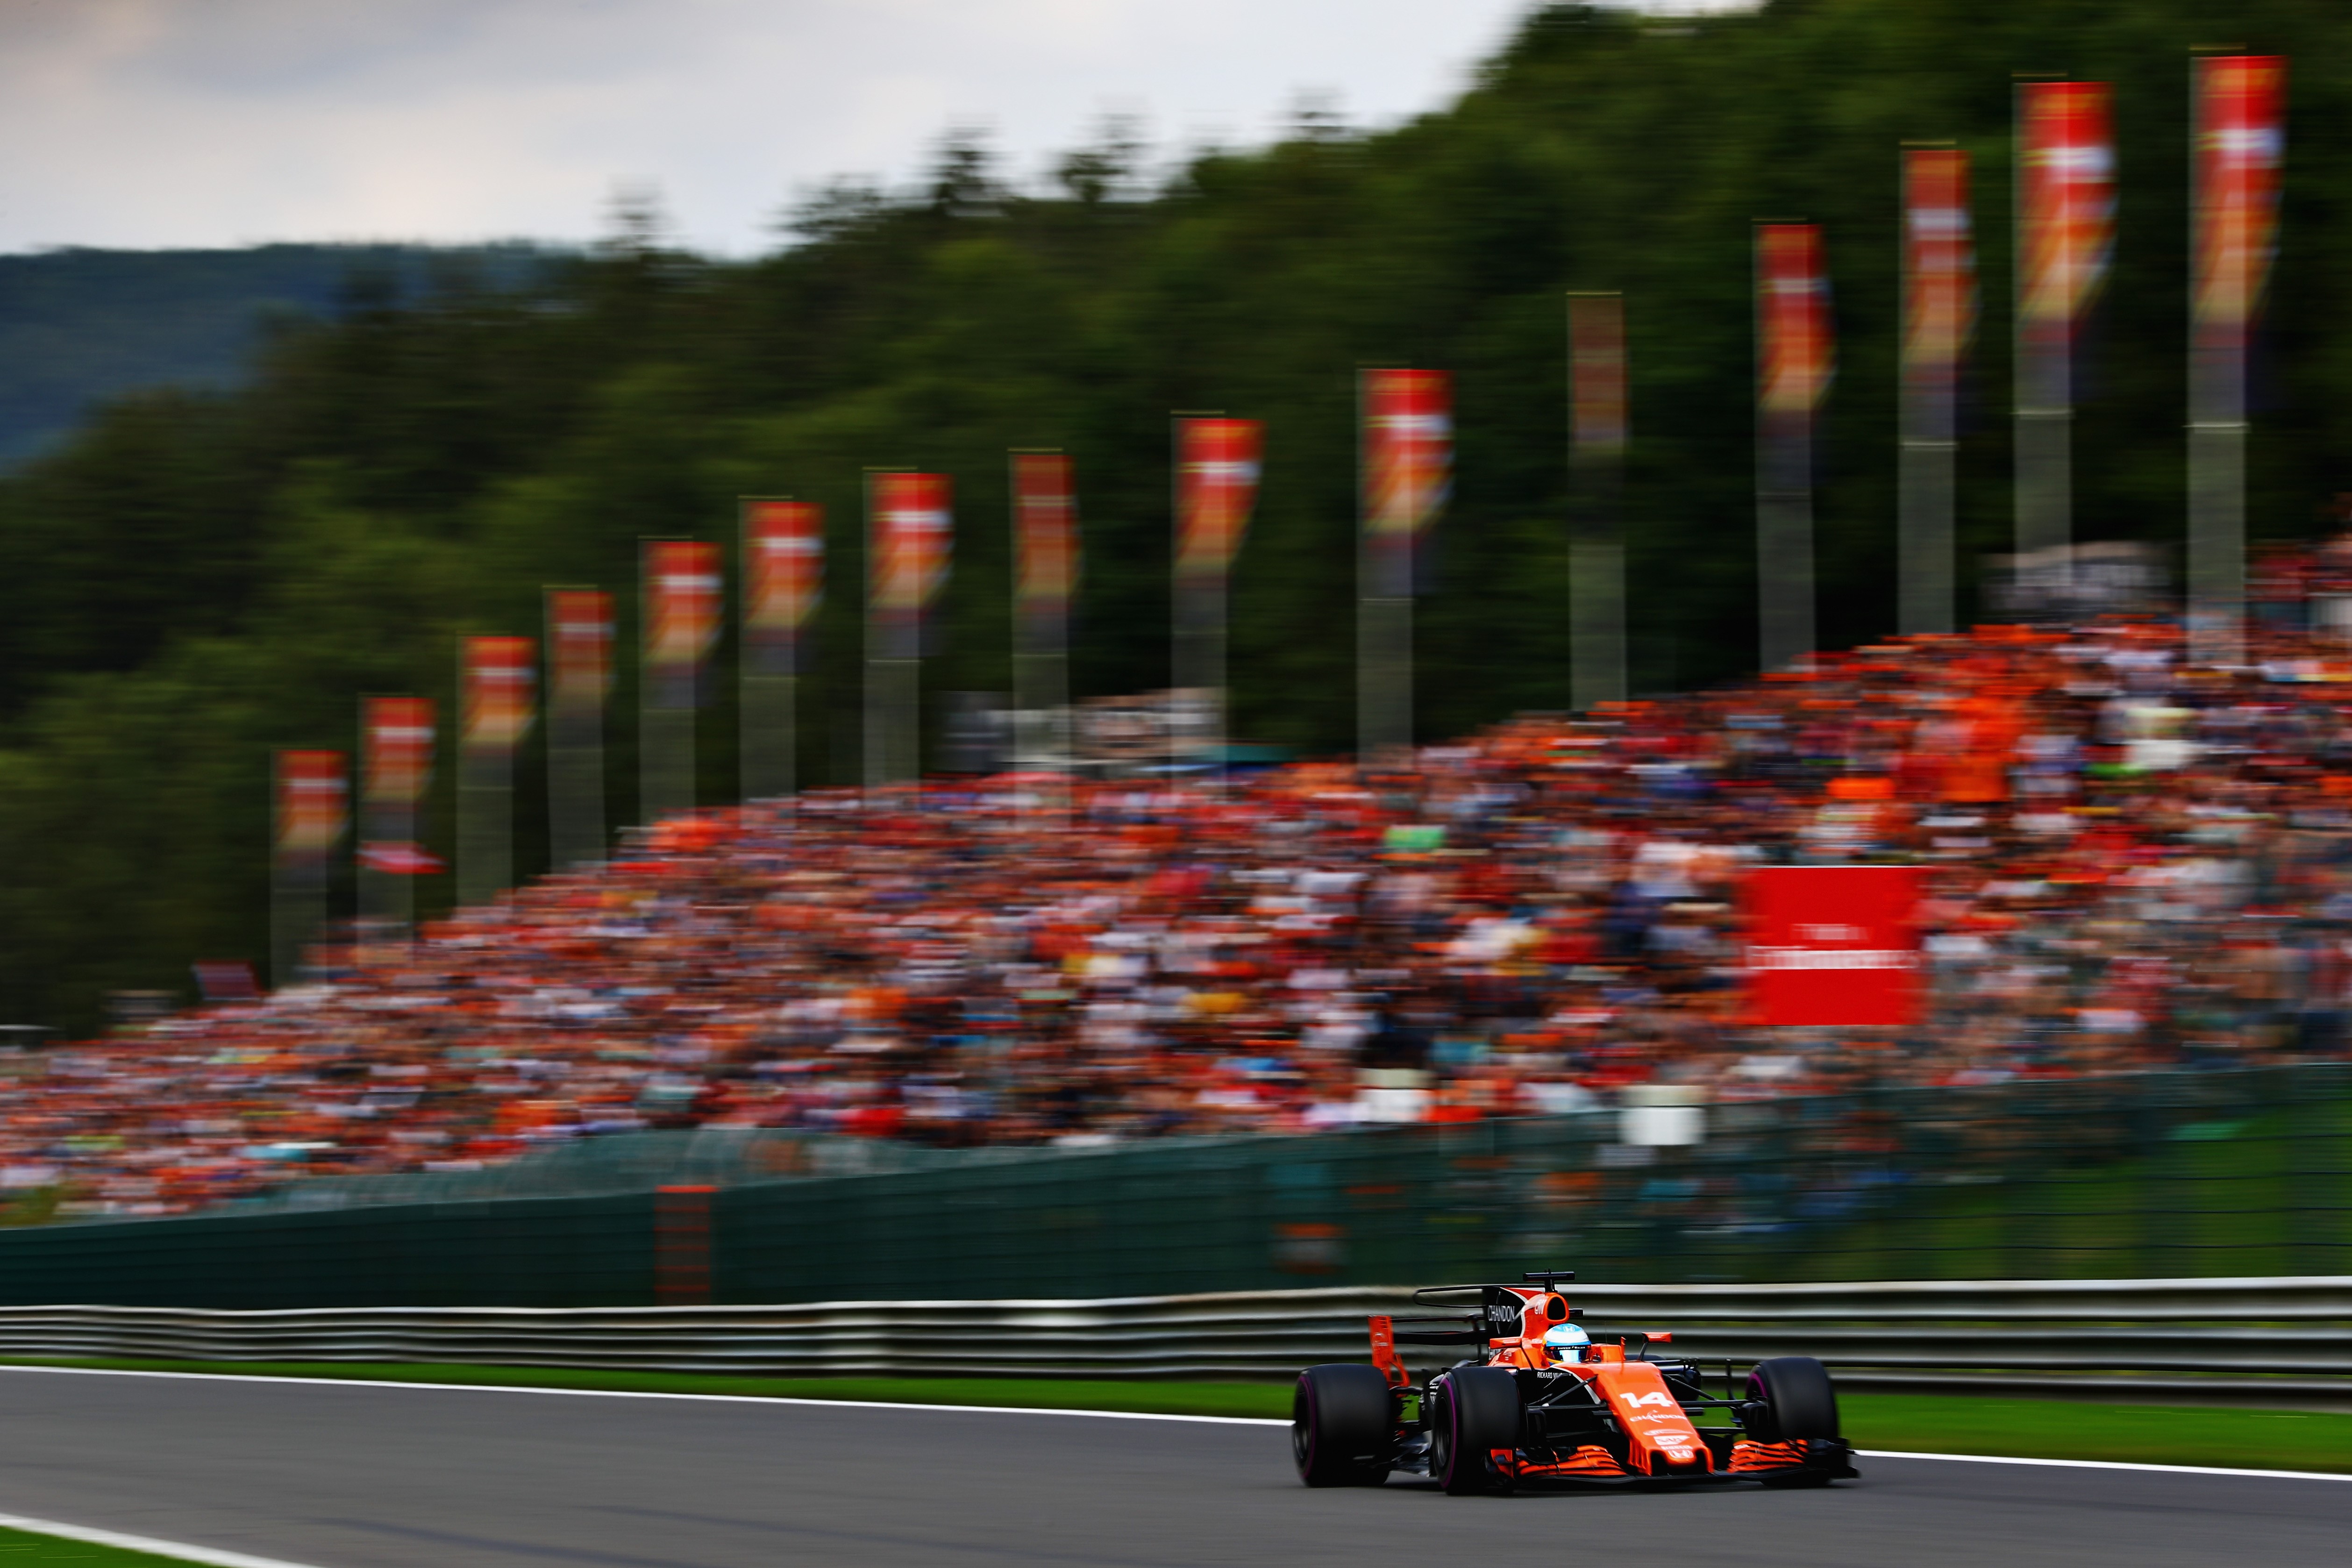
{"x": 2065, "y": 221}
{"x": 396, "y": 739}
{"x": 680, "y": 623}
{"x": 2241, "y": 137}
{"x": 1795, "y": 359}
{"x": 580, "y": 683}
{"x": 1408, "y": 454}
{"x": 783, "y": 576}
{"x": 1940, "y": 303}
{"x": 1217, "y": 464}
{"x": 312, "y": 808}
{"x": 910, "y": 532}
{"x": 1045, "y": 578}
{"x": 1596, "y": 543}
{"x": 500, "y": 678}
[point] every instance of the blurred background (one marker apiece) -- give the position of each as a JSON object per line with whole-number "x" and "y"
{"x": 248, "y": 486}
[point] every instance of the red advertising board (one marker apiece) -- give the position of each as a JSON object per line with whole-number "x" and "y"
{"x": 1835, "y": 946}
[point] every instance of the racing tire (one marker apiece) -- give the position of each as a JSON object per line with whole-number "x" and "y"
{"x": 1342, "y": 1426}
{"x": 1476, "y": 1410}
{"x": 1796, "y": 1398}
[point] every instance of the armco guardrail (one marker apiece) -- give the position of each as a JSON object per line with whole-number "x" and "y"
{"x": 2273, "y": 1341}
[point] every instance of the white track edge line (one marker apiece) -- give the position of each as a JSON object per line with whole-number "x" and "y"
{"x": 1046, "y": 1410}
{"x": 185, "y": 1550}
{"x": 2108, "y": 1464}
{"x": 647, "y": 1394}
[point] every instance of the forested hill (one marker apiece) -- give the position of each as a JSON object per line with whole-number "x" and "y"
{"x": 79, "y": 326}
{"x": 197, "y": 579}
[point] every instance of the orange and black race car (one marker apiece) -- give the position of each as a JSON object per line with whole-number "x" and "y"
{"x": 1540, "y": 1399}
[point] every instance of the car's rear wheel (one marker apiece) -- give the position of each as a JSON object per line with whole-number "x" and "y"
{"x": 1475, "y": 1410}
{"x": 1342, "y": 1426}
{"x": 1790, "y": 1399}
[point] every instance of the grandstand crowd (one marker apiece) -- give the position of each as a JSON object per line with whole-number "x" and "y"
{"x": 2133, "y": 864}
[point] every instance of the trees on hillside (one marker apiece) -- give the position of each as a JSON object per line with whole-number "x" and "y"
{"x": 200, "y": 578}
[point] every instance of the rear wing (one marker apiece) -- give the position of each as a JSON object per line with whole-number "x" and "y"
{"x": 1498, "y": 1314}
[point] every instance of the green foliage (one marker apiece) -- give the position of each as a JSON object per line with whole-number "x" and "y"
{"x": 79, "y": 325}
{"x": 201, "y": 577}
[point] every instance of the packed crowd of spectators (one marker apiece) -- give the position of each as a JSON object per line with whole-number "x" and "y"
{"x": 2132, "y": 863}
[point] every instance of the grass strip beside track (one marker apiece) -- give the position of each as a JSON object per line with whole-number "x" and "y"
{"x": 1924, "y": 1423}
{"x": 20, "y": 1547}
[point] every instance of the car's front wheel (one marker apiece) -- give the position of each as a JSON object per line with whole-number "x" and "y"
{"x": 1791, "y": 1398}
{"x": 1474, "y": 1411}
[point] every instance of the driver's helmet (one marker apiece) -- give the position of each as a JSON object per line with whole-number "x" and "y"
{"x": 1565, "y": 1343}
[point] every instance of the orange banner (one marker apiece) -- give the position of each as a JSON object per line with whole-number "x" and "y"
{"x": 1796, "y": 354}
{"x": 313, "y": 806}
{"x": 501, "y": 678}
{"x": 1596, "y": 373}
{"x": 1216, "y": 490}
{"x": 580, "y": 648}
{"x": 396, "y": 734}
{"x": 783, "y": 578}
{"x": 913, "y": 532}
{"x": 2066, "y": 204}
{"x": 1408, "y": 466}
{"x": 2240, "y": 141}
{"x": 1045, "y": 529}
{"x": 1939, "y": 297}
{"x": 681, "y": 624}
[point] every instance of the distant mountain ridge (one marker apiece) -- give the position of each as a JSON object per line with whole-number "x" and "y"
{"x": 79, "y": 326}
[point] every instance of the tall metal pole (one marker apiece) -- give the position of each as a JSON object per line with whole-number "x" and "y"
{"x": 1938, "y": 298}
{"x": 579, "y": 685}
{"x": 678, "y": 622}
{"x": 782, "y": 572}
{"x": 909, "y": 534}
{"x": 1045, "y": 576}
{"x": 497, "y": 677}
{"x": 1407, "y": 442}
{"x": 2064, "y": 181}
{"x": 1793, "y": 355}
{"x": 1596, "y": 541}
{"x": 311, "y": 808}
{"x": 2236, "y": 153}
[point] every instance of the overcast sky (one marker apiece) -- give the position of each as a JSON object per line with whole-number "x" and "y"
{"x": 200, "y": 122}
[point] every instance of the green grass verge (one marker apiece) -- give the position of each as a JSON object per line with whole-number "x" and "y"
{"x": 18, "y": 1547}
{"x": 1928, "y": 1423}
{"x": 2063, "y": 1429}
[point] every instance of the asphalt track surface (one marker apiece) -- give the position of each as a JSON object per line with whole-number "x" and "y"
{"x": 372, "y": 1477}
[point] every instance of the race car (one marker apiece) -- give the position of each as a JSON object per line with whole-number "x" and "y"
{"x": 1540, "y": 1399}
